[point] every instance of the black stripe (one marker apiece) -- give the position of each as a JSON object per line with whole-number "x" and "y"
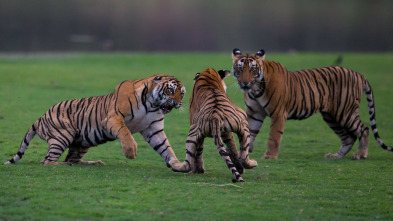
{"x": 155, "y": 133}
{"x": 188, "y": 162}
{"x": 153, "y": 122}
{"x": 270, "y": 98}
{"x": 274, "y": 110}
{"x": 191, "y": 141}
{"x": 97, "y": 138}
{"x": 117, "y": 95}
{"x": 164, "y": 150}
{"x": 159, "y": 145}
{"x": 96, "y": 113}
{"x": 190, "y": 154}
{"x": 255, "y": 118}
{"x": 20, "y": 154}
{"x": 120, "y": 113}
{"x": 143, "y": 96}
{"x": 25, "y": 141}
{"x": 132, "y": 110}
{"x": 223, "y": 153}
{"x": 86, "y": 136}
{"x": 55, "y": 153}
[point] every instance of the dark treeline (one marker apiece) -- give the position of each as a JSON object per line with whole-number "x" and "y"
{"x": 203, "y": 25}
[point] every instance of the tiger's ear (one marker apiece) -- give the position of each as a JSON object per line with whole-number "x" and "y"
{"x": 157, "y": 79}
{"x": 223, "y": 73}
{"x": 261, "y": 54}
{"x": 235, "y": 53}
{"x": 196, "y": 76}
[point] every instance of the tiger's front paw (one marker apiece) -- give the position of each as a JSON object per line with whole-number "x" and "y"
{"x": 333, "y": 156}
{"x": 248, "y": 163}
{"x": 199, "y": 169}
{"x": 130, "y": 151}
{"x": 198, "y": 166}
{"x": 269, "y": 156}
{"x": 173, "y": 163}
{"x": 359, "y": 156}
{"x": 131, "y": 154}
{"x": 181, "y": 167}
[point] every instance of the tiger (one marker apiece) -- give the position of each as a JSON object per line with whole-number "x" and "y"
{"x": 213, "y": 114}
{"x": 334, "y": 91}
{"x": 134, "y": 106}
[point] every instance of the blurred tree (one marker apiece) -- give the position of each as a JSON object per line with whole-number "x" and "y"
{"x": 176, "y": 25}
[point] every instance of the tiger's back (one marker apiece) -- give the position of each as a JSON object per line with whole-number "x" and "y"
{"x": 80, "y": 118}
{"x": 209, "y": 101}
{"x": 327, "y": 90}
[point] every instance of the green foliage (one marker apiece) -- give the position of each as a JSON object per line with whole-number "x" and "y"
{"x": 301, "y": 184}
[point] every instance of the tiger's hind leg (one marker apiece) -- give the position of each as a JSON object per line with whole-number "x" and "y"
{"x": 75, "y": 155}
{"x": 199, "y": 164}
{"x": 230, "y": 144}
{"x": 244, "y": 139}
{"x": 347, "y": 139}
{"x": 57, "y": 147}
{"x": 361, "y": 131}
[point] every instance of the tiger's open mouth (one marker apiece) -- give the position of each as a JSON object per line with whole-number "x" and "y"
{"x": 169, "y": 105}
{"x": 166, "y": 108}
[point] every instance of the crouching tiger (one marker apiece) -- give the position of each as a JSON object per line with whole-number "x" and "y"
{"x": 134, "y": 106}
{"x": 213, "y": 114}
{"x": 270, "y": 90}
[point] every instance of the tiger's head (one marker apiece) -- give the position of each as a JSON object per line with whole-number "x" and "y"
{"x": 168, "y": 93}
{"x": 247, "y": 68}
{"x": 213, "y": 77}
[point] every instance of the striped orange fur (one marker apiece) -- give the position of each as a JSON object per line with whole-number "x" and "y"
{"x": 335, "y": 92}
{"x": 213, "y": 114}
{"x": 134, "y": 106}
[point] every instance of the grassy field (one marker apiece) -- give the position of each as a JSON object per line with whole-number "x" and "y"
{"x": 300, "y": 185}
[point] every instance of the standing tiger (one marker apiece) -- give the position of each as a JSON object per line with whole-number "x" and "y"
{"x": 213, "y": 114}
{"x": 270, "y": 90}
{"x": 134, "y": 106}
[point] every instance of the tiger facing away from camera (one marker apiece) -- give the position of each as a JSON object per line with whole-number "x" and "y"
{"x": 270, "y": 90}
{"x": 134, "y": 106}
{"x": 213, "y": 114}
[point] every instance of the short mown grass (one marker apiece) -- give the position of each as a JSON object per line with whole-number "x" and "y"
{"x": 300, "y": 185}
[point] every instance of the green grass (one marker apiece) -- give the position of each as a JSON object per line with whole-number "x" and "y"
{"x": 300, "y": 185}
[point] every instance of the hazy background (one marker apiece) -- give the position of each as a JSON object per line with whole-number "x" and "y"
{"x": 203, "y": 25}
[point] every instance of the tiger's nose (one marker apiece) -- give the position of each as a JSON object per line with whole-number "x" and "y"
{"x": 245, "y": 84}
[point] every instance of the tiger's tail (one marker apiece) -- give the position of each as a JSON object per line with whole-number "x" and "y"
{"x": 371, "y": 109}
{"x": 215, "y": 126}
{"x": 23, "y": 146}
